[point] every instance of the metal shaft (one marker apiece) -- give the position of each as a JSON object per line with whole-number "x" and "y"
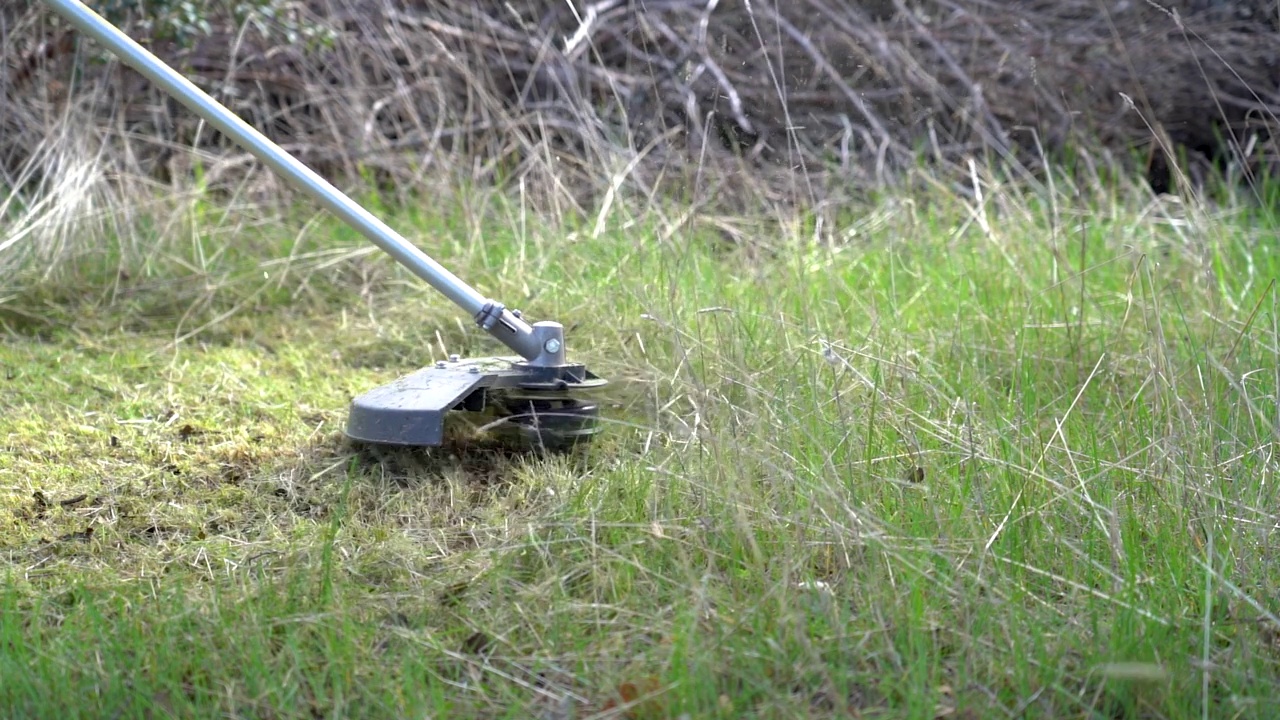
{"x": 501, "y": 323}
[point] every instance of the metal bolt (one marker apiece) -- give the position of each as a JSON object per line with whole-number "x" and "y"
{"x": 440, "y": 363}
{"x": 552, "y": 346}
{"x": 517, "y": 313}
{"x": 473, "y": 370}
{"x": 453, "y": 358}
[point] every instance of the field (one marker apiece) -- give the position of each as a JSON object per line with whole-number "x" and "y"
{"x": 997, "y": 454}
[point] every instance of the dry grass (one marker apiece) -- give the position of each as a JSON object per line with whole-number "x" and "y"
{"x": 572, "y": 103}
{"x": 705, "y": 114}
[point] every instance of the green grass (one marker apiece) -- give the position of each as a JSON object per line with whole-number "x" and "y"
{"x": 1016, "y": 467}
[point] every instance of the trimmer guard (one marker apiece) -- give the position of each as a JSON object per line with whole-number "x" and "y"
{"x": 411, "y": 411}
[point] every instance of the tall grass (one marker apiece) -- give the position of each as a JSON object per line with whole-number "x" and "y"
{"x": 939, "y": 456}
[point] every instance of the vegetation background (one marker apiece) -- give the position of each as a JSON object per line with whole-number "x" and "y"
{"x": 942, "y": 338}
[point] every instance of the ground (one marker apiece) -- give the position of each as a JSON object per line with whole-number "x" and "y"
{"x": 951, "y": 460}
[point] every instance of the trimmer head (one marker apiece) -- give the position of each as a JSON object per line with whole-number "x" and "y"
{"x": 541, "y": 407}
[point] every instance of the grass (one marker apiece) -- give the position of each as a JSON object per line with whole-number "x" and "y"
{"x": 1009, "y": 460}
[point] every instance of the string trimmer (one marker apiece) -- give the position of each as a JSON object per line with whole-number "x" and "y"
{"x": 535, "y": 395}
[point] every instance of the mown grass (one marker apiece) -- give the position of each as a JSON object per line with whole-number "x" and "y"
{"x": 1008, "y": 460}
